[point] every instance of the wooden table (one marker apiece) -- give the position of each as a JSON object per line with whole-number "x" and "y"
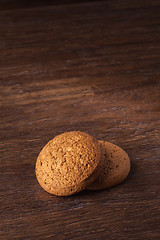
{"x": 94, "y": 67}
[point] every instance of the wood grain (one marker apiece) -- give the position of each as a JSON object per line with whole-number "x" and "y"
{"x": 93, "y": 67}
{"x": 19, "y": 4}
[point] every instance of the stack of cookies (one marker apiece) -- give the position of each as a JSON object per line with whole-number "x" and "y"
{"x": 74, "y": 161}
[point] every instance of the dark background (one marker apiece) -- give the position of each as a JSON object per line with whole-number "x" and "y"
{"x": 92, "y": 66}
{"x": 15, "y": 4}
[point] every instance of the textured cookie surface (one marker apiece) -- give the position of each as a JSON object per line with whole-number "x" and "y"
{"x": 115, "y": 167}
{"x": 68, "y": 163}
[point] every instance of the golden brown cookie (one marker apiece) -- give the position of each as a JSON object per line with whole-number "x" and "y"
{"x": 115, "y": 167}
{"x": 68, "y": 163}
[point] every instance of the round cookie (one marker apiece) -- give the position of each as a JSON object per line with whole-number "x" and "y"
{"x": 115, "y": 167}
{"x": 68, "y": 163}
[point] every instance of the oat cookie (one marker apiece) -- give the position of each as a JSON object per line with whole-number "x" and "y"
{"x": 115, "y": 167}
{"x": 68, "y": 163}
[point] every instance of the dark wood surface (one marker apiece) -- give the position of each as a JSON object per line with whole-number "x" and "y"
{"x": 19, "y": 4}
{"x": 93, "y": 67}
